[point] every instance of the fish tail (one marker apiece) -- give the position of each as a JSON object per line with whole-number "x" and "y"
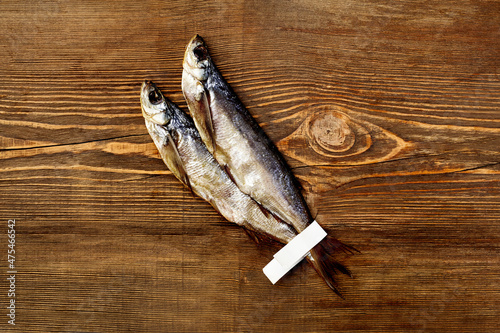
{"x": 324, "y": 263}
{"x": 332, "y": 245}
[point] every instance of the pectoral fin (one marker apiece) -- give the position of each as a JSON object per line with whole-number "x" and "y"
{"x": 203, "y": 117}
{"x": 177, "y": 164}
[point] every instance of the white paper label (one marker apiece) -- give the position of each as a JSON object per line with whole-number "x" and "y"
{"x": 292, "y": 253}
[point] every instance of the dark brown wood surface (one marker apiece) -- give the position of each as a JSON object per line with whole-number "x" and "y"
{"x": 387, "y": 111}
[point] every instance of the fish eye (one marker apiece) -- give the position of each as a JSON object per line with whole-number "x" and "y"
{"x": 200, "y": 52}
{"x": 155, "y": 97}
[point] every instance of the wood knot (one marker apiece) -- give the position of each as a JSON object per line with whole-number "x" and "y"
{"x": 331, "y": 131}
{"x": 331, "y": 135}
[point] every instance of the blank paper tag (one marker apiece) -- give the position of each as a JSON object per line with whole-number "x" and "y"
{"x": 292, "y": 253}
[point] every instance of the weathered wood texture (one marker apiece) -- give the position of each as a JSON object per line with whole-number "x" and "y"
{"x": 387, "y": 111}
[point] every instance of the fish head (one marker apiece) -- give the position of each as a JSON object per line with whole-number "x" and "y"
{"x": 197, "y": 59}
{"x": 155, "y": 106}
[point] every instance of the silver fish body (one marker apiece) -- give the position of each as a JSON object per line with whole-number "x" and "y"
{"x": 184, "y": 153}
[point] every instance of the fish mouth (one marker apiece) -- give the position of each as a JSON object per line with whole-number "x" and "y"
{"x": 153, "y": 104}
{"x": 196, "y": 57}
{"x": 151, "y": 93}
{"x": 148, "y": 86}
{"x": 145, "y": 88}
{"x": 199, "y": 48}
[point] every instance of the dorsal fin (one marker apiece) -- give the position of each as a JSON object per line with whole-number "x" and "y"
{"x": 177, "y": 161}
{"x": 203, "y": 117}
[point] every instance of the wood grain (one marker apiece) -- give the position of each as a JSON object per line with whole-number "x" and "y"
{"x": 388, "y": 113}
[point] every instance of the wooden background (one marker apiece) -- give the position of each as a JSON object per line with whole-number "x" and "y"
{"x": 387, "y": 111}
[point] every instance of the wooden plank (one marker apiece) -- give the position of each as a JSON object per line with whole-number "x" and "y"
{"x": 388, "y": 113}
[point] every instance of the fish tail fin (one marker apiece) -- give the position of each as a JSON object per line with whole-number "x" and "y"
{"x": 324, "y": 263}
{"x": 332, "y": 245}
